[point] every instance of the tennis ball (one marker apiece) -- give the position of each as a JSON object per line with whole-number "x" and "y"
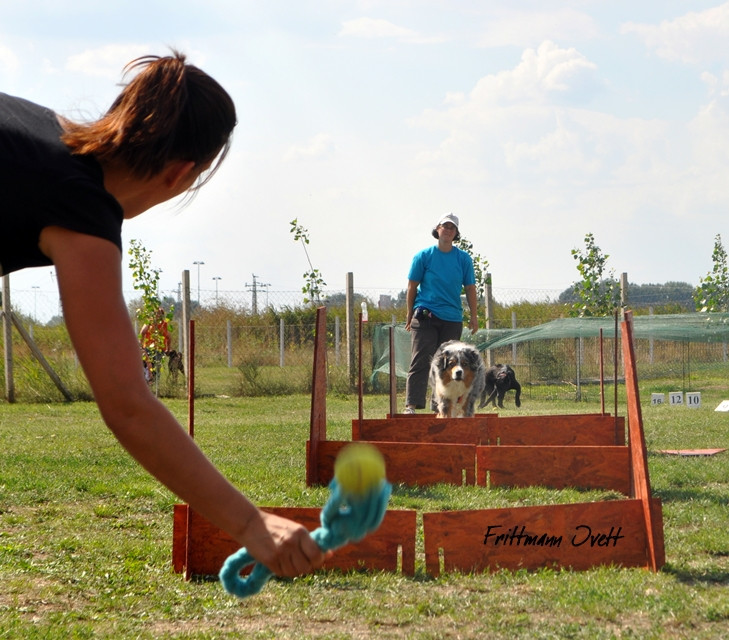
{"x": 359, "y": 467}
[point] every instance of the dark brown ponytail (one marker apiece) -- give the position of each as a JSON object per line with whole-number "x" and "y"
{"x": 170, "y": 110}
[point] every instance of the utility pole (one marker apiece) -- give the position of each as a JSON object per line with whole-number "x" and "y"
{"x": 253, "y": 288}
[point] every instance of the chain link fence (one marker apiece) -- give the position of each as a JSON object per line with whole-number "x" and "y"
{"x": 260, "y": 342}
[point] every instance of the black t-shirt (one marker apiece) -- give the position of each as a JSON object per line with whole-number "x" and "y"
{"x": 42, "y": 184}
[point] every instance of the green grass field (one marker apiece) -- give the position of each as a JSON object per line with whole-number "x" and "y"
{"x": 86, "y": 538}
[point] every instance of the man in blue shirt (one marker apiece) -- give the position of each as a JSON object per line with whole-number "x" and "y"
{"x": 435, "y": 312}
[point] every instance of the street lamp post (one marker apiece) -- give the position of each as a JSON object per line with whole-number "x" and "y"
{"x": 35, "y": 303}
{"x": 199, "y": 263}
{"x": 217, "y": 279}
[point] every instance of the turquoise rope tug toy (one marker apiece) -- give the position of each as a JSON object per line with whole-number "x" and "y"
{"x": 344, "y": 518}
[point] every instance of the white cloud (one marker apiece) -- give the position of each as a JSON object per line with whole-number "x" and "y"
{"x": 106, "y": 62}
{"x": 694, "y": 38}
{"x": 544, "y": 76}
{"x": 718, "y": 86}
{"x": 527, "y": 28}
{"x": 8, "y": 60}
{"x": 372, "y": 28}
{"x": 524, "y": 125}
{"x": 546, "y": 72}
{"x": 320, "y": 145}
{"x": 710, "y": 128}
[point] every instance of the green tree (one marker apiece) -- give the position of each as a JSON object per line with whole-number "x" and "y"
{"x": 712, "y": 294}
{"x": 151, "y": 311}
{"x": 596, "y": 294}
{"x": 313, "y": 281}
{"x": 480, "y": 265}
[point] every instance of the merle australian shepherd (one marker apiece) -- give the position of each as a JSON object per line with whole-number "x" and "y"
{"x": 499, "y": 379}
{"x": 457, "y": 378}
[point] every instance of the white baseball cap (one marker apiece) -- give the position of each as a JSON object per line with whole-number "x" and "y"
{"x": 448, "y": 217}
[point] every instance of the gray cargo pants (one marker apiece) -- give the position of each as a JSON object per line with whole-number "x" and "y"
{"x": 427, "y": 333}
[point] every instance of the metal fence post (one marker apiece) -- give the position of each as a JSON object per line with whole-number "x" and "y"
{"x": 281, "y": 339}
{"x": 351, "y": 361}
{"x": 8, "y": 340}
{"x": 186, "y": 321}
{"x": 489, "y": 317}
{"x": 337, "y": 340}
{"x": 229, "y": 338}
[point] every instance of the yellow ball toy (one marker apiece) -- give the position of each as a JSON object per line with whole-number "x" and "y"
{"x": 359, "y": 467}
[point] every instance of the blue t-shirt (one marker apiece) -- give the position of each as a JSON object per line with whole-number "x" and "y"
{"x": 441, "y": 276}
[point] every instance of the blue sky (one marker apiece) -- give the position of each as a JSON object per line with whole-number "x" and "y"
{"x": 535, "y": 121}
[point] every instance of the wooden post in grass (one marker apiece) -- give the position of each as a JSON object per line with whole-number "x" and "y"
{"x": 10, "y": 319}
{"x": 602, "y": 376}
{"x": 191, "y": 380}
{"x": 641, "y": 480}
{"x": 41, "y": 359}
{"x": 615, "y": 369}
{"x": 318, "y": 419}
{"x": 187, "y": 541}
{"x": 185, "y": 318}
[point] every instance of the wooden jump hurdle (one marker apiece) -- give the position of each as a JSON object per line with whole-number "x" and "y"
{"x": 557, "y": 451}
{"x": 582, "y": 450}
{"x": 627, "y": 533}
{"x": 199, "y": 548}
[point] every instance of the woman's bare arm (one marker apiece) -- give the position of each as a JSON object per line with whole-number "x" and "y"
{"x": 89, "y": 279}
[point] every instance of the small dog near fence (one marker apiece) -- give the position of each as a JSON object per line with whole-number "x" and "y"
{"x": 499, "y": 379}
{"x": 174, "y": 364}
{"x": 457, "y": 378}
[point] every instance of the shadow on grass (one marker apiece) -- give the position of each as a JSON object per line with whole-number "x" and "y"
{"x": 349, "y": 580}
{"x": 708, "y": 575}
{"x": 692, "y": 494}
{"x": 430, "y": 492}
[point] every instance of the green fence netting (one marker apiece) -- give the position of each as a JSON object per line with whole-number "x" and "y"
{"x": 682, "y": 329}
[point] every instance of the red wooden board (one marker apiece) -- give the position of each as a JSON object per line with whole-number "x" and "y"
{"x": 691, "y": 452}
{"x": 576, "y": 536}
{"x": 410, "y": 462}
{"x": 203, "y": 549}
{"x": 577, "y": 429}
{"x": 554, "y": 467}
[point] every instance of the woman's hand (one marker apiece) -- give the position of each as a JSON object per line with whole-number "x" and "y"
{"x": 281, "y": 545}
{"x": 412, "y": 291}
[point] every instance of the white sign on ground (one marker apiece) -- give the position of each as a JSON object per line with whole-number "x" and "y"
{"x": 693, "y": 399}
